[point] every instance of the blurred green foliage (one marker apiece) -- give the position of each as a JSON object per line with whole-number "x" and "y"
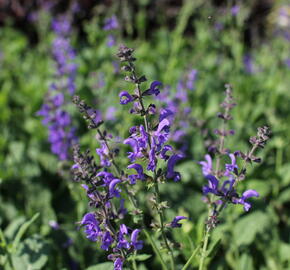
{"x": 32, "y": 180}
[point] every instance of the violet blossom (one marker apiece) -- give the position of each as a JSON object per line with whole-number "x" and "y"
{"x": 175, "y": 222}
{"x": 206, "y": 165}
{"x": 62, "y": 134}
{"x": 227, "y": 192}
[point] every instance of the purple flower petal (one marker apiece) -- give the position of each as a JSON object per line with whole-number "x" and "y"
{"x": 170, "y": 167}
{"x": 125, "y": 97}
{"x": 174, "y": 223}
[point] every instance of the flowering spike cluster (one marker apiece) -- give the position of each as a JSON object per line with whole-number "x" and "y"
{"x": 222, "y": 182}
{"x": 146, "y": 142}
{"x": 104, "y": 190}
{"x": 55, "y": 117}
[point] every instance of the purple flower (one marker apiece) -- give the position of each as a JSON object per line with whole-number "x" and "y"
{"x": 135, "y": 147}
{"x": 191, "y": 78}
{"x": 143, "y": 138}
{"x": 212, "y": 186}
{"x": 122, "y": 242}
{"x": 152, "y": 160}
{"x": 206, "y": 165}
{"x": 107, "y": 241}
{"x": 58, "y": 100}
{"x": 165, "y": 113}
{"x": 103, "y": 153}
{"x": 111, "y": 41}
{"x": 111, "y": 23}
{"x": 246, "y": 195}
{"x": 153, "y": 90}
{"x": 231, "y": 167}
{"x": 174, "y": 223}
{"x": 125, "y": 97}
{"x": 170, "y": 168}
{"x": 140, "y": 175}
{"x": 61, "y": 25}
{"x": 92, "y": 229}
{"x": 227, "y": 192}
{"x": 114, "y": 192}
{"x": 111, "y": 113}
{"x": 118, "y": 264}
{"x": 106, "y": 177}
{"x": 161, "y": 135}
{"x": 164, "y": 150}
{"x": 122, "y": 210}
{"x": 235, "y": 10}
{"x": 248, "y": 63}
{"x": 54, "y": 225}
{"x": 61, "y": 134}
{"x": 135, "y": 243}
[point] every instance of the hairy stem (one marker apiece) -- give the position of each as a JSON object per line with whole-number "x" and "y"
{"x": 204, "y": 249}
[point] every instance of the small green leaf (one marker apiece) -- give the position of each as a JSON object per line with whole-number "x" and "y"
{"x": 249, "y": 226}
{"x": 22, "y": 231}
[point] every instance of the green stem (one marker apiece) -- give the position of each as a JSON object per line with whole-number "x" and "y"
{"x": 156, "y": 250}
{"x": 161, "y": 217}
{"x": 188, "y": 263}
{"x": 134, "y": 265}
{"x": 204, "y": 250}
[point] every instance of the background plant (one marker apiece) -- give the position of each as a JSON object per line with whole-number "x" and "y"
{"x": 31, "y": 180}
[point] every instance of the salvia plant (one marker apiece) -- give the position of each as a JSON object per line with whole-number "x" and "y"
{"x": 62, "y": 134}
{"x": 110, "y": 186}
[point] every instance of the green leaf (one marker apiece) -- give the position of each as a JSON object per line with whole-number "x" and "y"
{"x": 246, "y": 262}
{"x": 284, "y": 251}
{"x": 284, "y": 196}
{"x": 22, "y": 231}
{"x": 140, "y": 257}
{"x": 32, "y": 254}
{"x": 102, "y": 266}
{"x": 13, "y": 227}
{"x": 249, "y": 226}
